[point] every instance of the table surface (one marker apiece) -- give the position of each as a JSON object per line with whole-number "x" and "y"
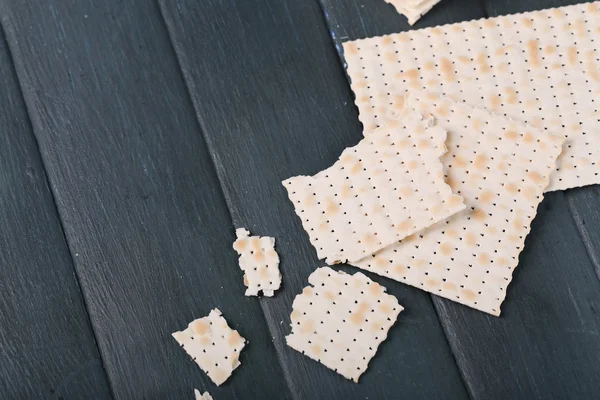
{"x": 136, "y": 135}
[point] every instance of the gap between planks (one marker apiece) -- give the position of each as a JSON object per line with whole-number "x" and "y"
{"x": 219, "y": 171}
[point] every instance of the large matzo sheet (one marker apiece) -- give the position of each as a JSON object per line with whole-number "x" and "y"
{"x": 501, "y": 168}
{"x": 541, "y": 68}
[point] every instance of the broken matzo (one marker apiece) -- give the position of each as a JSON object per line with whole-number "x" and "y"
{"x": 202, "y": 396}
{"x": 385, "y": 188}
{"x": 541, "y": 68}
{"x": 501, "y": 168}
{"x": 259, "y": 261}
{"x": 213, "y": 345}
{"x": 413, "y": 10}
{"x": 341, "y": 319}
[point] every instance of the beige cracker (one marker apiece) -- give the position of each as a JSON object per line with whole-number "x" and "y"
{"x": 541, "y": 68}
{"x": 259, "y": 261}
{"x": 213, "y": 345}
{"x": 384, "y": 189}
{"x": 203, "y": 396}
{"x": 341, "y": 319}
{"x": 413, "y": 10}
{"x": 501, "y": 168}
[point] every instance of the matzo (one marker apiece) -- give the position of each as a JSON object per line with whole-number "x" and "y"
{"x": 213, "y": 345}
{"x": 202, "y": 396}
{"x": 259, "y": 261}
{"x": 341, "y": 319}
{"x": 540, "y": 68}
{"x": 413, "y": 10}
{"x": 501, "y": 168}
{"x": 384, "y": 189}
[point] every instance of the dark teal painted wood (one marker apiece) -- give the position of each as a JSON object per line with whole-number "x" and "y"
{"x": 137, "y": 181}
{"x": 140, "y": 201}
{"x": 272, "y": 101}
{"x": 47, "y": 346}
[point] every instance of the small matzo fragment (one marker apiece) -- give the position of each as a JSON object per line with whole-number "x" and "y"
{"x": 259, "y": 261}
{"x": 213, "y": 345}
{"x": 413, "y": 10}
{"x": 202, "y": 396}
{"x": 386, "y": 188}
{"x": 501, "y": 167}
{"x": 341, "y": 319}
{"x": 541, "y": 68}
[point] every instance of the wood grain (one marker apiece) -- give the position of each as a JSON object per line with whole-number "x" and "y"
{"x": 273, "y": 102}
{"x": 141, "y": 204}
{"x": 546, "y": 344}
{"x": 46, "y": 341}
{"x": 547, "y": 341}
{"x": 584, "y": 203}
{"x": 358, "y": 19}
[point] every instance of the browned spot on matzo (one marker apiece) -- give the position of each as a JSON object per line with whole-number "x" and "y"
{"x": 482, "y": 65}
{"x": 571, "y": 55}
{"x": 533, "y": 53}
{"x": 446, "y": 70}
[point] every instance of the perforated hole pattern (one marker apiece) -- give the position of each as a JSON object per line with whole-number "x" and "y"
{"x": 540, "y": 68}
{"x": 259, "y": 261}
{"x": 501, "y": 168}
{"x": 213, "y": 345}
{"x": 382, "y": 190}
{"x": 341, "y": 319}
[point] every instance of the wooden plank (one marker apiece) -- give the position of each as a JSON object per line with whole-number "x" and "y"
{"x": 272, "y": 101}
{"x": 358, "y": 19}
{"x": 47, "y": 345}
{"x": 547, "y": 343}
{"x": 141, "y": 203}
{"x": 505, "y": 7}
{"x": 584, "y": 203}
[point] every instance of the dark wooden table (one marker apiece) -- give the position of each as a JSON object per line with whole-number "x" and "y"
{"x": 136, "y": 135}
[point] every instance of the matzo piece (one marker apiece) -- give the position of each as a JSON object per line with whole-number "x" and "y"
{"x": 501, "y": 168}
{"x": 413, "y": 10}
{"x": 385, "y": 188}
{"x": 341, "y": 319}
{"x": 259, "y": 261}
{"x": 213, "y": 345}
{"x": 541, "y": 68}
{"x": 202, "y": 396}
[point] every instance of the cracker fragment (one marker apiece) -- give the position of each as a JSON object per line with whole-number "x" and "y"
{"x": 203, "y": 396}
{"x": 341, "y": 319}
{"x": 259, "y": 261}
{"x": 385, "y": 188}
{"x": 501, "y": 168}
{"x": 413, "y": 10}
{"x": 213, "y": 345}
{"x": 541, "y": 68}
